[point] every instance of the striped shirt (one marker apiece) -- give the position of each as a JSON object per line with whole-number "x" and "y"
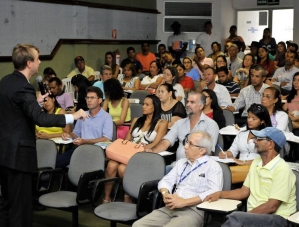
{"x": 203, "y": 181}
{"x": 231, "y": 86}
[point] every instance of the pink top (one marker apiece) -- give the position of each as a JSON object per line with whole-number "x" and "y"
{"x": 205, "y": 61}
{"x": 294, "y": 104}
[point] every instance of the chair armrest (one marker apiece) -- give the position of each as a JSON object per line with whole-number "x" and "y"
{"x": 86, "y": 183}
{"x": 147, "y": 198}
{"x": 51, "y": 172}
{"x": 98, "y": 186}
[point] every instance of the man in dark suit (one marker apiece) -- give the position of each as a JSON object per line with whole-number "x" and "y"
{"x": 20, "y": 111}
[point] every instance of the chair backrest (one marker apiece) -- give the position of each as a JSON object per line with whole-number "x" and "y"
{"x": 97, "y": 75}
{"x": 114, "y": 134}
{"x": 46, "y": 153}
{"x": 142, "y": 167}
{"x": 227, "y": 176}
{"x": 290, "y": 126}
{"x": 140, "y": 94}
{"x": 136, "y": 110}
{"x": 68, "y": 87}
{"x": 229, "y": 117}
{"x": 221, "y": 144}
{"x": 297, "y": 188}
{"x": 86, "y": 158}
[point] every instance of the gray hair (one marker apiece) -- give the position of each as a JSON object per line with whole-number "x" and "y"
{"x": 202, "y": 98}
{"x": 204, "y": 139}
{"x": 233, "y": 45}
{"x": 260, "y": 68}
{"x": 105, "y": 67}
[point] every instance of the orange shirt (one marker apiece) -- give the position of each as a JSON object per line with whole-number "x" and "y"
{"x": 145, "y": 60}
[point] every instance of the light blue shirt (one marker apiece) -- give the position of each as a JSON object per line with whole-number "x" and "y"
{"x": 100, "y": 125}
{"x": 194, "y": 74}
{"x": 100, "y": 85}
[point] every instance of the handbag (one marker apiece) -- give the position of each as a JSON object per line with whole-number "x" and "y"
{"x": 239, "y": 173}
{"x": 122, "y": 150}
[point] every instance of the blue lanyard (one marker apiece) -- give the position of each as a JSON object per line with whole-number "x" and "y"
{"x": 181, "y": 179}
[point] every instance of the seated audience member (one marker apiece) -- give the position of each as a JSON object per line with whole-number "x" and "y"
{"x": 169, "y": 60}
{"x": 233, "y": 61}
{"x": 280, "y": 59}
{"x": 110, "y": 61}
{"x": 148, "y": 130}
{"x": 272, "y": 101}
{"x": 155, "y": 78}
{"x": 129, "y": 80}
{"x": 291, "y": 46}
{"x": 206, "y": 39}
{"x": 186, "y": 82}
{"x": 171, "y": 109}
{"x": 161, "y": 50}
{"x": 242, "y": 74}
{"x": 243, "y": 145}
{"x": 254, "y": 46}
{"x": 264, "y": 61}
{"x": 117, "y": 105}
{"x": 190, "y": 71}
{"x": 292, "y": 104}
{"x": 170, "y": 76}
{"x": 51, "y": 106}
{"x": 48, "y": 74}
{"x": 284, "y": 75}
{"x": 132, "y": 59}
{"x": 98, "y": 127}
{"x": 216, "y": 48}
{"x": 196, "y": 120}
{"x": 268, "y": 42}
{"x": 177, "y": 42}
{"x": 80, "y": 84}
{"x": 234, "y": 37}
{"x": 64, "y": 99}
{"x": 212, "y": 109}
{"x": 250, "y": 94}
{"x": 220, "y": 62}
{"x": 201, "y": 61}
{"x": 106, "y": 74}
{"x": 223, "y": 79}
{"x": 227, "y": 45}
{"x": 269, "y": 186}
{"x": 145, "y": 57}
{"x": 202, "y": 176}
{"x": 240, "y": 53}
{"x": 82, "y": 69}
{"x": 209, "y": 82}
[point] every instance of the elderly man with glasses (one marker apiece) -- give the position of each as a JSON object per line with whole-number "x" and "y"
{"x": 269, "y": 186}
{"x": 187, "y": 185}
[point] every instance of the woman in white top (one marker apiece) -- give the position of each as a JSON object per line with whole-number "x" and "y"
{"x": 154, "y": 79}
{"x": 129, "y": 80}
{"x": 170, "y": 76}
{"x": 258, "y": 118}
{"x": 148, "y": 129}
{"x": 272, "y": 101}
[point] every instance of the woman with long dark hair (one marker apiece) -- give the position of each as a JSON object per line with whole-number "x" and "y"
{"x": 264, "y": 61}
{"x": 154, "y": 78}
{"x": 243, "y": 74}
{"x": 109, "y": 60}
{"x": 243, "y": 145}
{"x": 212, "y": 109}
{"x": 268, "y": 42}
{"x": 148, "y": 130}
{"x": 280, "y": 58}
{"x": 80, "y": 84}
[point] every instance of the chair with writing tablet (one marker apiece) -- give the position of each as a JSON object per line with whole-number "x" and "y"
{"x": 294, "y": 218}
{"x": 222, "y": 206}
{"x": 220, "y": 142}
{"x": 229, "y": 117}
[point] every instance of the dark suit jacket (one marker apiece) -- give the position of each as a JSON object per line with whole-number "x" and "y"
{"x": 18, "y": 115}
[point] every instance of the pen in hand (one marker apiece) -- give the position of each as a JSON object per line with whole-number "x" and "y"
{"x": 221, "y": 150}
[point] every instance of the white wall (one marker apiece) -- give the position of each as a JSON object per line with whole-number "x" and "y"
{"x": 223, "y": 16}
{"x": 252, "y": 4}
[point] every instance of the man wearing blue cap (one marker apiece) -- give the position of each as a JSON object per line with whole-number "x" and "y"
{"x": 269, "y": 185}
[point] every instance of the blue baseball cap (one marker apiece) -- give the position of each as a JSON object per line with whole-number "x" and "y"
{"x": 272, "y": 133}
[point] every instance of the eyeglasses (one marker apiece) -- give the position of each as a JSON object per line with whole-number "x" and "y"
{"x": 186, "y": 141}
{"x": 91, "y": 98}
{"x": 262, "y": 138}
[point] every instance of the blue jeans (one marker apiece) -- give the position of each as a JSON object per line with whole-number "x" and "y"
{"x": 246, "y": 219}
{"x": 64, "y": 159}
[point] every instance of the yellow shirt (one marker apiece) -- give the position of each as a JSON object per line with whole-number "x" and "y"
{"x": 87, "y": 72}
{"x": 50, "y": 130}
{"x": 115, "y": 112}
{"x": 275, "y": 180}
